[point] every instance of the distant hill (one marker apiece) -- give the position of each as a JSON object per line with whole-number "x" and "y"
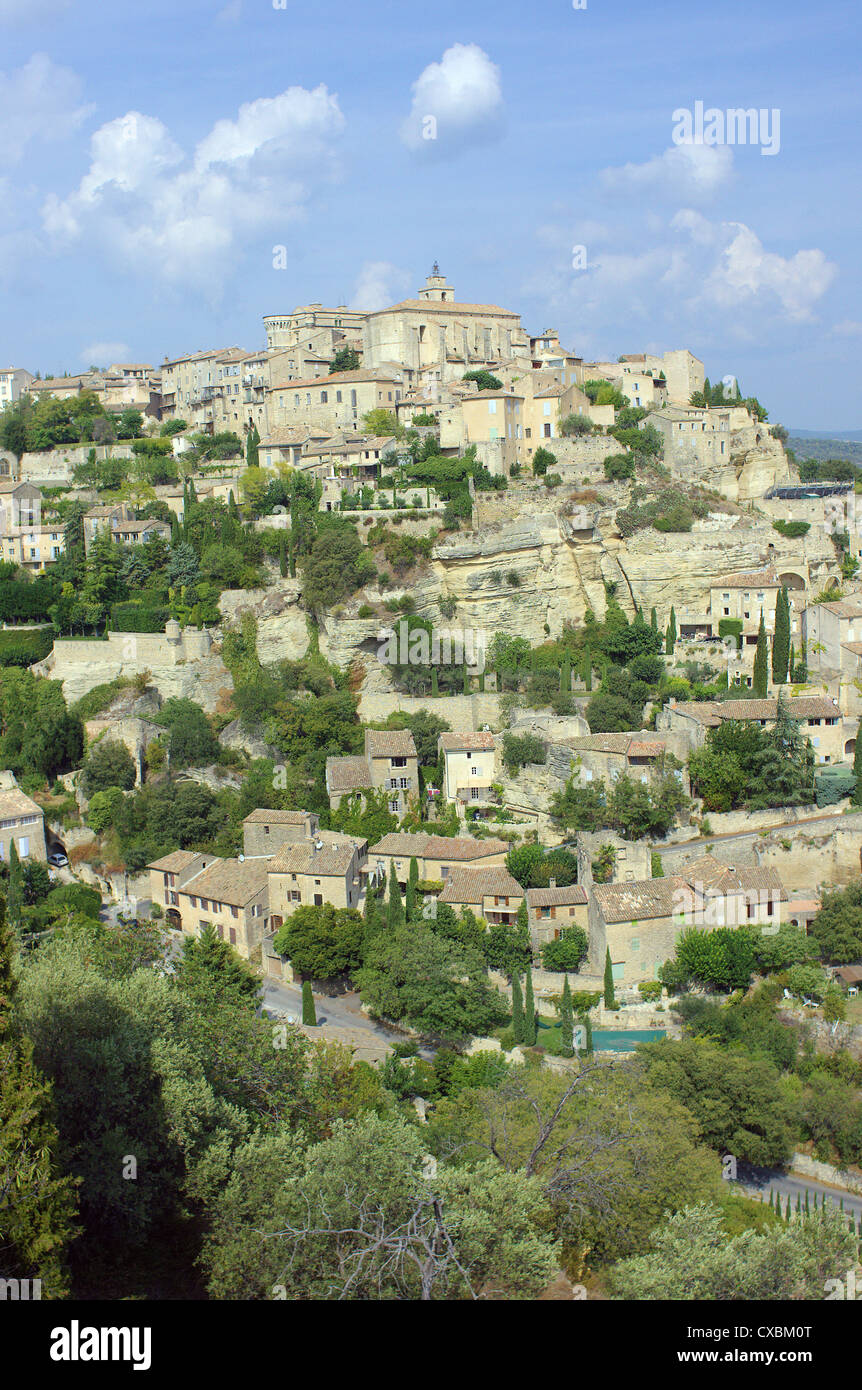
{"x": 822, "y": 447}
{"x": 854, "y": 436}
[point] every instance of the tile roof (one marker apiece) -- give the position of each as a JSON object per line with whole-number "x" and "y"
{"x": 466, "y": 743}
{"x": 304, "y": 858}
{"x": 363, "y": 374}
{"x": 265, "y": 817}
{"x": 556, "y": 897}
{"x": 712, "y": 712}
{"x": 389, "y": 743}
{"x": 472, "y": 885}
{"x": 463, "y": 847}
{"x": 173, "y": 862}
{"x": 752, "y": 579}
{"x": 843, "y": 608}
{"x": 16, "y": 803}
{"x": 347, "y": 775}
{"x": 708, "y": 875}
{"x": 234, "y": 881}
{"x": 628, "y": 902}
{"x": 445, "y": 306}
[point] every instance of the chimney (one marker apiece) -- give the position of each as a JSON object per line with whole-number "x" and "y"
{"x": 552, "y": 883}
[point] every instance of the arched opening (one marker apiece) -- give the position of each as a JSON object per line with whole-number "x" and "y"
{"x": 850, "y": 748}
{"x": 173, "y": 919}
{"x": 791, "y": 581}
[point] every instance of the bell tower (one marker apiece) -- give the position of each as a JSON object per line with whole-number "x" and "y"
{"x": 436, "y": 288}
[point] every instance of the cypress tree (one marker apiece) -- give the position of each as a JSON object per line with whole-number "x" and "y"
{"x": 772, "y": 1198}
{"x": 529, "y": 1010}
{"x": 781, "y": 639}
{"x": 566, "y": 676}
{"x": 588, "y": 669}
{"x": 672, "y": 632}
{"x": 588, "y": 1030}
{"x": 857, "y": 773}
{"x": 435, "y": 689}
{"x": 309, "y": 1013}
{"x": 252, "y": 456}
{"x": 411, "y": 896}
{"x": 760, "y": 680}
{"x": 653, "y": 620}
{"x": 15, "y": 890}
{"x": 282, "y": 557}
{"x": 517, "y": 1009}
{"x": 566, "y": 1021}
{"x": 807, "y": 1207}
{"x": 610, "y": 997}
{"x": 291, "y": 559}
{"x": 465, "y": 686}
{"x": 395, "y": 913}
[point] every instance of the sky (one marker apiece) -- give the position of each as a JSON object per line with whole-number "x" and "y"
{"x": 156, "y": 157}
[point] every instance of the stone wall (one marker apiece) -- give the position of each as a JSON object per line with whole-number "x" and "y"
{"x": 824, "y": 856}
{"x": 188, "y": 668}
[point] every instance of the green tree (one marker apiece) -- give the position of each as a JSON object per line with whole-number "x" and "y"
{"x": 837, "y": 926}
{"x": 14, "y": 890}
{"x": 567, "y": 951}
{"x": 210, "y": 968}
{"x": 412, "y": 880}
{"x": 322, "y": 942}
{"x": 309, "y": 1013}
{"x": 346, "y": 359}
{"x": 671, "y": 635}
{"x": 760, "y": 679}
{"x": 109, "y": 764}
{"x": 416, "y": 977}
{"x": 567, "y": 1047}
{"x": 395, "y": 906}
{"x": 781, "y": 639}
{"x": 610, "y": 997}
{"x": 252, "y": 441}
{"x": 530, "y": 1020}
{"x": 517, "y": 1009}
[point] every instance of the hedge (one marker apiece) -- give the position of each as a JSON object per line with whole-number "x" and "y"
{"x": 134, "y": 616}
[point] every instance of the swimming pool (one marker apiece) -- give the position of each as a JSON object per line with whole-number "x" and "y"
{"x": 624, "y": 1040}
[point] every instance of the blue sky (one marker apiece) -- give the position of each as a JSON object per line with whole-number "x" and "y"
{"x": 155, "y": 154}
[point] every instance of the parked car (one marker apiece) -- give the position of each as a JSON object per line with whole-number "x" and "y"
{"x": 58, "y": 859}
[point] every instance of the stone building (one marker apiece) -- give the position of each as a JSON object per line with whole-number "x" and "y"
{"x": 469, "y": 762}
{"x": 200, "y": 890}
{"x": 820, "y": 720}
{"x": 309, "y": 873}
{"x": 437, "y": 856}
{"x": 389, "y": 763}
{"x": 491, "y": 893}
{"x": 552, "y": 911}
{"x": 22, "y": 821}
{"x": 264, "y": 831}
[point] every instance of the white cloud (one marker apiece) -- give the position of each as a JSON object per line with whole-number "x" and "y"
{"x": 40, "y": 101}
{"x": 181, "y": 219}
{"x": 683, "y": 171}
{"x": 847, "y": 328}
{"x": 231, "y": 14}
{"x": 379, "y": 284}
{"x": 456, "y": 103}
{"x": 103, "y": 354}
{"x": 745, "y": 273}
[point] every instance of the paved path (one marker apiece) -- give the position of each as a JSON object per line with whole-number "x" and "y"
{"x": 760, "y": 1181}
{"x": 339, "y": 1019}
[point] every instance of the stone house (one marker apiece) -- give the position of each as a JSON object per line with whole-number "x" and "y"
{"x": 22, "y": 821}
{"x": 14, "y": 382}
{"x": 469, "y": 762}
{"x": 264, "y": 831}
{"x": 552, "y": 910}
{"x": 389, "y": 763}
{"x": 334, "y": 402}
{"x": 309, "y": 873}
{"x": 638, "y": 755}
{"x": 199, "y": 890}
{"x": 104, "y": 518}
{"x": 437, "y": 856}
{"x": 833, "y": 632}
{"x": 820, "y": 720}
{"x": 492, "y": 893}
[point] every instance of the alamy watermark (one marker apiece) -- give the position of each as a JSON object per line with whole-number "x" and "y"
{"x": 700, "y": 906}
{"x": 406, "y": 646}
{"x": 736, "y": 126}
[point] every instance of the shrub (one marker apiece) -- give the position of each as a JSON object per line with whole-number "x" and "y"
{"x": 792, "y": 530}
{"x": 567, "y": 952}
{"x": 521, "y": 749}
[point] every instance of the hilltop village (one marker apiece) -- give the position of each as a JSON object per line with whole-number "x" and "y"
{"x": 475, "y": 705}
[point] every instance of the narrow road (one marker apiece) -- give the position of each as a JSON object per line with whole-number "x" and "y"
{"x": 738, "y": 834}
{"x": 760, "y": 1181}
{"x": 342, "y": 1011}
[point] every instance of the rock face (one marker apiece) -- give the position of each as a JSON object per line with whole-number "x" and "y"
{"x": 282, "y": 630}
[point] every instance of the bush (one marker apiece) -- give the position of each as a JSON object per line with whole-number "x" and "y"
{"x": 792, "y": 530}
{"x": 567, "y": 952}
{"x": 650, "y": 989}
{"x": 521, "y": 749}
{"x": 109, "y": 765}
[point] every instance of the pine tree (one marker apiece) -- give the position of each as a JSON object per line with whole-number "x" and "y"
{"x": 309, "y": 1013}
{"x": 517, "y": 1009}
{"x": 610, "y": 997}
{"x": 411, "y": 896}
{"x": 566, "y": 1021}
{"x": 529, "y": 1010}
{"x": 760, "y": 679}
{"x": 395, "y": 912}
{"x": 781, "y": 639}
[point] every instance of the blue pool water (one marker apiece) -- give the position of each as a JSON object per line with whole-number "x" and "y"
{"x": 624, "y": 1040}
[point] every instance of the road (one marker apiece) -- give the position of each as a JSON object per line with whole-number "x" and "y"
{"x": 759, "y": 1181}
{"x": 339, "y": 1019}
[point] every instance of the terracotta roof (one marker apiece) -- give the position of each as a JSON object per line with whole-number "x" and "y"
{"x": 234, "y": 881}
{"x": 466, "y": 743}
{"x": 445, "y": 306}
{"x": 556, "y": 897}
{"x": 363, "y": 374}
{"x": 303, "y": 858}
{"x": 472, "y": 885}
{"x": 15, "y": 803}
{"x": 175, "y": 861}
{"x": 463, "y": 847}
{"x": 347, "y": 774}
{"x": 850, "y": 974}
{"x": 854, "y": 647}
{"x": 710, "y": 712}
{"x": 629, "y": 902}
{"x": 265, "y": 817}
{"x": 753, "y": 579}
{"x": 708, "y": 875}
{"x": 843, "y": 608}
{"x": 389, "y": 743}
